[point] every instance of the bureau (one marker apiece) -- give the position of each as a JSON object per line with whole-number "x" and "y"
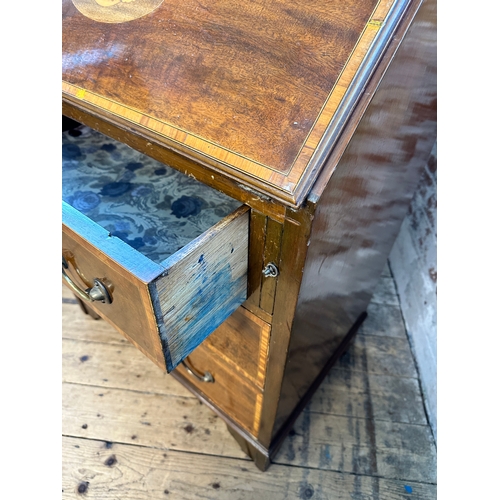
{"x": 239, "y": 176}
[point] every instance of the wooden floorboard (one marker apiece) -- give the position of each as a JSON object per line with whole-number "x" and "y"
{"x": 103, "y": 472}
{"x": 130, "y": 431}
{"x": 384, "y": 321}
{"x": 352, "y": 393}
{"x": 361, "y": 446}
{"x": 118, "y": 366}
{"x": 134, "y": 417}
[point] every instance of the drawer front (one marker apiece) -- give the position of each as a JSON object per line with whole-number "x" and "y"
{"x": 242, "y": 342}
{"x": 228, "y": 391}
{"x": 165, "y": 309}
{"x": 235, "y": 355}
{"x": 131, "y": 311}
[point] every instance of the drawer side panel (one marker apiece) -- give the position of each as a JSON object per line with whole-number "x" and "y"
{"x": 203, "y": 286}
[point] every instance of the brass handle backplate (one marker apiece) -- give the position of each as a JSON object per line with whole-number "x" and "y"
{"x": 96, "y": 293}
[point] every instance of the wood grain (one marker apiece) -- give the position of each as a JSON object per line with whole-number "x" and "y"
{"x": 131, "y": 311}
{"x": 363, "y": 437}
{"x": 386, "y": 321}
{"x": 204, "y": 98}
{"x": 168, "y": 309}
{"x": 115, "y": 366}
{"x": 203, "y": 86}
{"x": 356, "y": 422}
{"x": 242, "y": 341}
{"x": 258, "y": 226}
{"x": 394, "y": 399}
{"x": 361, "y": 446}
{"x": 231, "y": 392}
{"x": 144, "y": 419}
{"x": 138, "y": 473}
{"x": 271, "y": 255}
{"x": 344, "y": 393}
{"x": 296, "y": 231}
{"x": 147, "y": 143}
{"x": 112, "y": 362}
{"x": 84, "y": 327}
{"x": 204, "y": 283}
{"x": 380, "y": 355}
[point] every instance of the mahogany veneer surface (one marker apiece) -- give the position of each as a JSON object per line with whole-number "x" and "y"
{"x": 250, "y": 85}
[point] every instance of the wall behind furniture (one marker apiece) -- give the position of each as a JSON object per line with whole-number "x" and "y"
{"x": 413, "y": 265}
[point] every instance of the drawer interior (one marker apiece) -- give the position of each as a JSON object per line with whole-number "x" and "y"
{"x": 171, "y": 252}
{"x": 155, "y": 209}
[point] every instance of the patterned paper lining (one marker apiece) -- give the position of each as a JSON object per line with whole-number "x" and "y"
{"x": 152, "y": 207}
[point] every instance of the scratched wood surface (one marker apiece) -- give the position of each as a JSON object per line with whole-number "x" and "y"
{"x": 131, "y": 431}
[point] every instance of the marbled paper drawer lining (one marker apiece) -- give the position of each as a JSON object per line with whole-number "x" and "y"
{"x": 150, "y": 206}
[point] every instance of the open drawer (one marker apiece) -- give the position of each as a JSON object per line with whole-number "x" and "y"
{"x": 165, "y": 303}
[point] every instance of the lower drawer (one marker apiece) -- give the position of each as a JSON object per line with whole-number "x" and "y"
{"x": 227, "y": 390}
{"x": 229, "y": 367}
{"x": 242, "y": 341}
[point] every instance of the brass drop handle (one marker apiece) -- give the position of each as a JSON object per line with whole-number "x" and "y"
{"x": 205, "y": 378}
{"x": 97, "y": 293}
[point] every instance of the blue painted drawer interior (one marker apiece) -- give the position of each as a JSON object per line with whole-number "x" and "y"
{"x": 184, "y": 243}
